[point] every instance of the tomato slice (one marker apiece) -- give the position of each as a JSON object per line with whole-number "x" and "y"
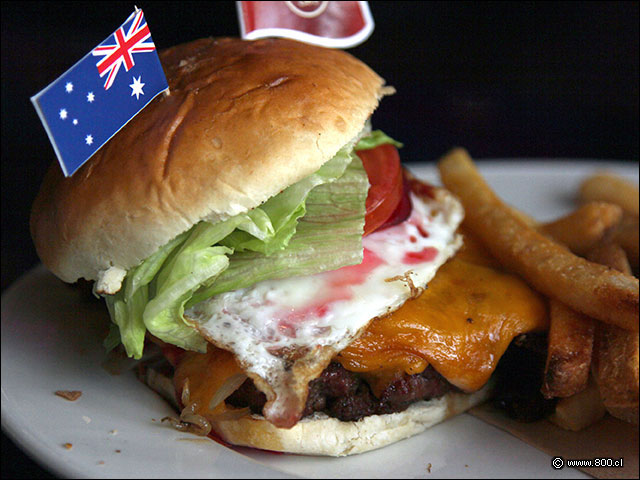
{"x": 382, "y": 165}
{"x": 403, "y": 210}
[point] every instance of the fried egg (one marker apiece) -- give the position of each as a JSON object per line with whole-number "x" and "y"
{"x": 277, "y": 328}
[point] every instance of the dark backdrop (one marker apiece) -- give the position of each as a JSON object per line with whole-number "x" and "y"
{"x": 502, "y": 79}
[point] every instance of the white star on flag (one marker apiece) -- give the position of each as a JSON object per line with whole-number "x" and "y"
{"x": 136, "y": 87}
{"x": 63, "y": 113}
{"x": 89, "y": 139}
{"x": 69, "y": 87}
{"x": 90, "y": 97}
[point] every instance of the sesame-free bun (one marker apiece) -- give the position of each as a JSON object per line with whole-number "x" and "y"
{"x": 243, "y": 120}
{"x": 320, "y": 434}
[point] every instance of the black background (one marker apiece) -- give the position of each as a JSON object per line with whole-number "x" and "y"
{"x": 503, "y": 80}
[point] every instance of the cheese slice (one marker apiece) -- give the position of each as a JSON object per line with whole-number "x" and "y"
{"x": 461, "y": 325}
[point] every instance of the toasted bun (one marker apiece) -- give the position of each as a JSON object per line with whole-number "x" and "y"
{"x": 323, "y": 435}
{"x": 243, "y": 120}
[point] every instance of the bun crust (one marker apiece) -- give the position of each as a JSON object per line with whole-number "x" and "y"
{"x": 323, "y": 435}
{"x": 243, "y": 121}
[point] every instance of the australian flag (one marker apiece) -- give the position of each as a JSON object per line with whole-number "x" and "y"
{"x": 95, "y": 98}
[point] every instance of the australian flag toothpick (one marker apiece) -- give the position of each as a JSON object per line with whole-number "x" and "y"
{"x": 95, "y": 98}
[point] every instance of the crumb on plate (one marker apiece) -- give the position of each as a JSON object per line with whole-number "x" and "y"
{"x": 71, "y": 395}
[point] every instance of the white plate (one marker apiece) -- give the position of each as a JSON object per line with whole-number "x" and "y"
{"x": 51, "y": 340}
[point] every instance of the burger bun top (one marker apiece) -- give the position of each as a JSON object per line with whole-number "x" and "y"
{"x": 242, "y": 121}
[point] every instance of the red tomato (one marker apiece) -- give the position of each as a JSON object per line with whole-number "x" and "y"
{"x": 385, "y": 176}
{"x": 403, "y": 210}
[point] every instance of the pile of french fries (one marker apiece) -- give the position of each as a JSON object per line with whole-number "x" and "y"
{"x": 584, "y": 263}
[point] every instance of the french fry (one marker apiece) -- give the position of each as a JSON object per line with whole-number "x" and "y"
{"x": 580, "y": 410}
{"x": 523, "y": 217}
{"x": 616, "y": 352}
{"x": 571, "y": 334}
{"x": 611, "y": 255}
{"x": 616, "y": 371}
{"x": 607, "y": 187}
{"x": 592, "y": 289}
{"x": 611, "y": 188}
{"x": 626, "y": 235}
{"x": 584, "y": 227}
{"x": 569, "y": 352}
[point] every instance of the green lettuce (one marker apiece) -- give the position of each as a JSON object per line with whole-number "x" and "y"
{"x": 314, "y": 225}
{"x": 375, "y": 139}
{"x": 127, "y": 306}
{"x": 328, "y": 236}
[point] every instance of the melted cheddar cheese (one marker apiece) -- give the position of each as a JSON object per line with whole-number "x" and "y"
{"x": 461, "y": 325}
{"x": 206, "y": 374}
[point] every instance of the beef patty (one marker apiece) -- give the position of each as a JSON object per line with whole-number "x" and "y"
{"x": 347, "y": 396}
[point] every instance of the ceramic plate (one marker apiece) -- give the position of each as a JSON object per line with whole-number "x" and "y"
{"x": 51, "y": 340}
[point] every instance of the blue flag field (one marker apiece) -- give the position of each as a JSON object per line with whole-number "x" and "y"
{"x": 95, "y": 98}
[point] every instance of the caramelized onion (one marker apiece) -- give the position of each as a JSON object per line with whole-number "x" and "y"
{"x": 196, "y": 424}
{"x": 184, "y": 398}
{"x": 192, "y": 422}
{"x": 226, "y": 389}
{"x": 189, "y": 421}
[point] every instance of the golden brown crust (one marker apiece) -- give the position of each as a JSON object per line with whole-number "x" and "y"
{"x": 615, "y": 367}
{"x": 569, "y": 351}
{"x": 616, "y": 351}
{"x": 243, "y": 120}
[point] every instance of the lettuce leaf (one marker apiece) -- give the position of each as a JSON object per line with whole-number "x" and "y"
{"x": 127, "y": 306}
{"x": 328, "y": 236}
{"x": 375, "y": 139}
{"x": 312, "y": 226}
{"x": 280, "y": 214}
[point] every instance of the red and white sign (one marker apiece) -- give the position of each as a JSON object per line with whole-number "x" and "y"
{"x": 329, "y": 24}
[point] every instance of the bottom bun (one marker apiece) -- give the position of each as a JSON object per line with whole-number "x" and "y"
{"x": 320, "y": 434}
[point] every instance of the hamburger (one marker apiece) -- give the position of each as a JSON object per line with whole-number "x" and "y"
{"x": 308, "y": 293}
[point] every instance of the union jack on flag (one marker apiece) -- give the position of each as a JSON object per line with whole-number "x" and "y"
{"x": 80, "y": 111}
{"x": 122, "y": 52}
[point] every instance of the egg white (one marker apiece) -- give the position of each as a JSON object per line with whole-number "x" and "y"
{"x": 332, "y": 308}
